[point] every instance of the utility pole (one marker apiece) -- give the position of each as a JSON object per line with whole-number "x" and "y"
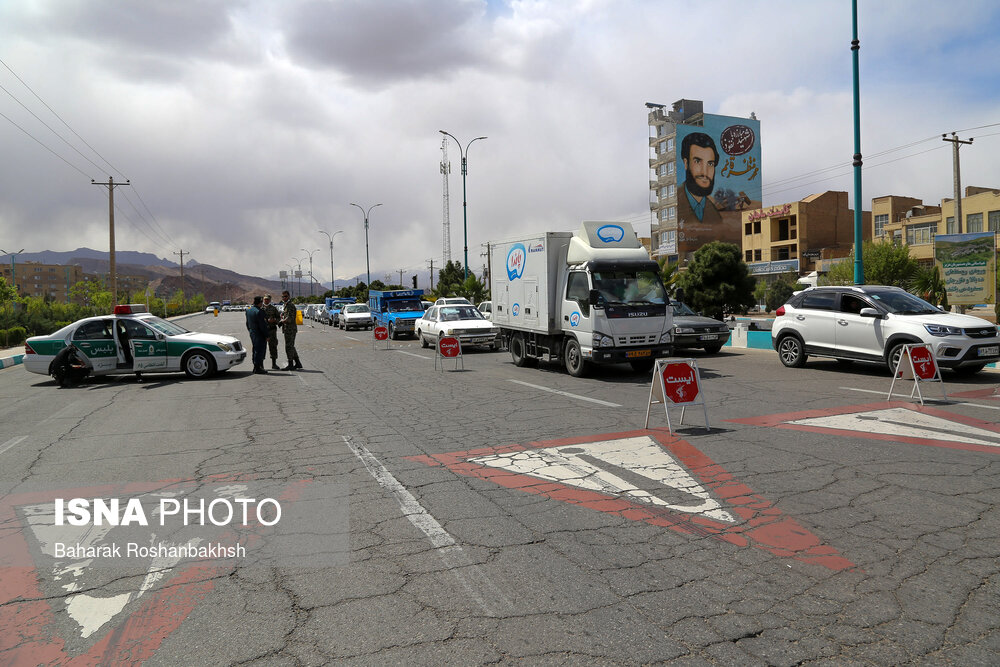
{"x": 956, "y": 143}
{"x": 181, "y": 253}
{"x": 432, "y": 274}
{"x": 112, "y": 275}
{"x": 401, "y": 276}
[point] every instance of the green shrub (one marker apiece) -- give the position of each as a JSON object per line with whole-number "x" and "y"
{"x": 14, "y": 336}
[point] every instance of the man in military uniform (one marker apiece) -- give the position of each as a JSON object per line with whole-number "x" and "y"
{"x": 272, "y": 316}
{"x": 289, "y": 328}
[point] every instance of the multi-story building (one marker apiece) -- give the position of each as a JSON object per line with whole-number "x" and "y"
{"x": 705, "y": 170}
{"x": 802, "y": 236}
{"x": 55, "y": 280}
{"x": 908, "y": 220}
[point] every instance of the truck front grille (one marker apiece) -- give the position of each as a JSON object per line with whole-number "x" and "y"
{"x": 636, "y": 339}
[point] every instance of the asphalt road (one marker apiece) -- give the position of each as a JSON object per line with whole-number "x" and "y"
{"x": 498, "y": 514}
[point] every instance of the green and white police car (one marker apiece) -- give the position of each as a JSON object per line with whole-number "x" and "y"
{"x": 131, "y": 340}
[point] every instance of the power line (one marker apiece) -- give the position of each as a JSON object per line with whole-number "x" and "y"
{"x": 42, "y": 144}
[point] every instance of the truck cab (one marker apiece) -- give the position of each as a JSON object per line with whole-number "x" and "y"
{"x": 397, "y": 310}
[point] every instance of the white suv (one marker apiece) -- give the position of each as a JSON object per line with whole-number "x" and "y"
{"x": 873, "y": 322}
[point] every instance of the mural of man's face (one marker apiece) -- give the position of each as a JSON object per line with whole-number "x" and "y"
{"x": 700, "y": 168}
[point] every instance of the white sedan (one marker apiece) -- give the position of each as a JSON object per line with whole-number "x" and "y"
{"x": 355, "y": 316}
{"x": 132, "y": 341}
{"x": 462, "y": 321}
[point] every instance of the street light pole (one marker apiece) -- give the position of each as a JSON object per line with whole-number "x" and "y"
{"x": 368, "y": 265}
{"x": 465, "y": 209}
{"x": 13, "y": 275}
{"x": 310, "y": 253}
{"x": 333, "y": 276}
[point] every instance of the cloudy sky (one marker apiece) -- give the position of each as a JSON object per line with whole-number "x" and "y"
{"x": 246, "y": 126}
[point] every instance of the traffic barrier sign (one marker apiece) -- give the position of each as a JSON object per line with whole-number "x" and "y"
{"x": 917, "y": 363}
{"x": 676, "y": 382}
{"x": 449, "y": 347}
{"x": 380, "y": 333}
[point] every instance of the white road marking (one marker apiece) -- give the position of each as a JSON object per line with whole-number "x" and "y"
{"x": 950, "y": 402}
{"x": 418, "y": 356}
{"x": 11, "y": 443}
{"x": 603, "y": 467}
{"x": 566, "y": 393}
{"x": 451, "y": 553}
{"x": 905, "y": 423}
{"x": 351, "y": 338}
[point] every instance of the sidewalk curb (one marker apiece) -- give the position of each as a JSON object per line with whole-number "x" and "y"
{"x": 7, "y": 362}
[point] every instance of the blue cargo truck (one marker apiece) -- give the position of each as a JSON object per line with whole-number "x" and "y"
{"x": 397, "y": 310}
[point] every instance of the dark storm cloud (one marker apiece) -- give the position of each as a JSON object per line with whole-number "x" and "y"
{"x": 388, "y": 41}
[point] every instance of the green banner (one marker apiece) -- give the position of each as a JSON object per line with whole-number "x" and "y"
{"x": 968, "y": 265}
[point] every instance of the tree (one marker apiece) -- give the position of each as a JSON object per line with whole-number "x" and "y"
{"x": 472, "y": 289}
{"x": 884, "y": 263}
{"x": 718, "y": 281}
{"x": 780, "y": 290}
{"x": 450, "y": 279}
{"x": 928, "y": 284}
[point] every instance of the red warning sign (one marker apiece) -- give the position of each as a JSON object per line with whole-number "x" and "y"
{"x": 680, "y": 383}
{"x": 923, "y": 362}
{"x": 449, "y": 347}
{"x": 647, "y": 476}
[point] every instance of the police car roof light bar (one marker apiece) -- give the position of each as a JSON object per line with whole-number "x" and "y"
{"x": 130, "y": 309}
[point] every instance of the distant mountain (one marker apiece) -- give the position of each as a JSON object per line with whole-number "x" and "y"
{"x": 71, "y": 256}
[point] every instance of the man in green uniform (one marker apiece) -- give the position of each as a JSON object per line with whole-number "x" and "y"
{"x": 289, "y": 328}
{"x": 272, "y": 316}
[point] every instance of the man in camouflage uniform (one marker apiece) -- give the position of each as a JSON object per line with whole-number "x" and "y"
{"x": 272, "y": 316}
{"x": 289, "y": 328}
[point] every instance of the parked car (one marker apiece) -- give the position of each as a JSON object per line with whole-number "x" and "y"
{"x": 132, "y": 341}
{"x": 873, "y": 322}
{"x": 335, "y": 313}
{"x": 486, "y": 308}
{"x": 463, "y": 321}
{"x": 356, "y": 316}
{"x": 323, "y": 316}
{"x": 692, "y": 330}
{"x": 453, "y": 301}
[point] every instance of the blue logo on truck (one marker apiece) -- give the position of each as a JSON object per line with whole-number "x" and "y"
{"x": 574, "y": 319}
{"x": 515, "y": 310}
{"x": 515, "y": 262}
{"x": 610, "y": 233}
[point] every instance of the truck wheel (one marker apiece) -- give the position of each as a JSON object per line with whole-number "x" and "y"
{"x": 517, "y": 351}
{"x": 576, "y": 365}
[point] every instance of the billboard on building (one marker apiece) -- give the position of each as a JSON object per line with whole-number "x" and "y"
{"x": 968, "y": 265}
{"x": 718, "y": 176}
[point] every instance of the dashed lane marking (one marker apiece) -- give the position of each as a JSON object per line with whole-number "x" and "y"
{"x": 566, "y": 393}
{"x": 412, "y": 354}
{"x": 11, "y": 443}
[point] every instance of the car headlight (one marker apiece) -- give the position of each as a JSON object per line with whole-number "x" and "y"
{"x": 448, "y": 332}
{"x": 724, "y": 329}
{"x": 941, "y": 330}
{"x": 600, "y": 340}
{"x": 666, "y": 337}
{"x": 684, "y": 330}
{"x": 226, "y": 347}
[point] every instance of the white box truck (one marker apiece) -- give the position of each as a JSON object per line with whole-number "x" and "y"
{"x": 589, "y": 297}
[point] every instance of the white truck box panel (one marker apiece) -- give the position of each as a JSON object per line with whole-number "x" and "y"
{"x": 525, "y": 280}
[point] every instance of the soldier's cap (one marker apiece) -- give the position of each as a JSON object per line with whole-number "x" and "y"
{"x": 267, "y": 296}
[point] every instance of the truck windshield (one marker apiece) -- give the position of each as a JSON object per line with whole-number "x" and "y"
{"x": 403, "y": 305}
{"x": 629, "y": 287}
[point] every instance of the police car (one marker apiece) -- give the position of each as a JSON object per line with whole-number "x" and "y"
{"x": 131, "y": 340}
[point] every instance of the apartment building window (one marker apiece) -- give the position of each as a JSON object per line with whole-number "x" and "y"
{"x": 974, "y": 223}
{"x": 993, "y": 220}
{"x": 748, "y": 229}
{"x": 670, "y": 237}
{"x": 671, "y": 191}
{"x": 786, "y": 229}
{"x": 881, "y": 220}
{"x": 757, "y": 255}
{"x": 662, "y": 170}
{"x": 780, "y": 253}
{"x": 921, "y": 234}
{"x": 756, "y": 227}
{"x": 949, "y": 225}
{"x": 672, "y": 212}
{"x": 661, "y": 148}
{"x": 670, "y": 169}
{"x": 670, "y": 144}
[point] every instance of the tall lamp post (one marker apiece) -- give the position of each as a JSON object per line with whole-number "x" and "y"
{"x": 465, "y": 209}
{"x": 368, "y": 265}
{"x": 333, "y": 276}
{"x": 13, "y": 276}
{"x": 288, "y": 279}
{"x": 310, "y": 253}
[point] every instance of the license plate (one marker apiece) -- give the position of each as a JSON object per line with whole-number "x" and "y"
{"x": 632, "y": 354}
{"x": 709, "y": 337}
{"x": 482, "y": 339}
{"x": 991, "y": 351}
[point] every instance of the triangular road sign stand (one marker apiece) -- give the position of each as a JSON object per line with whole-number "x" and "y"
{"x": 917, "y": 363}
{"x": 676, "y": 382}
{"x": 448, "y": 348}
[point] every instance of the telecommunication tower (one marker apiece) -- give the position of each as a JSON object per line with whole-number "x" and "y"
{"x": 445, "y": 170}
